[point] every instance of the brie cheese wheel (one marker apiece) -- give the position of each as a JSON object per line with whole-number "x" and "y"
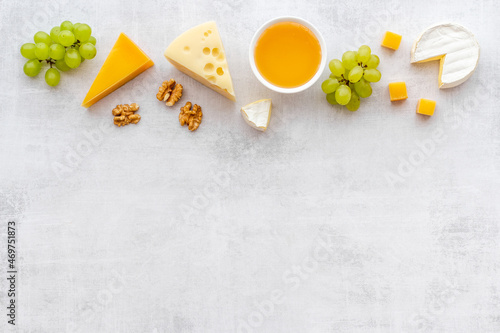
{"x": 455, "y": 47}
{"x": 257, "y": 114}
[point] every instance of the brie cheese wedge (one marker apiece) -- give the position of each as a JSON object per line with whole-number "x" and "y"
{"x": 455, "y": 47}
{"x": 257, "y": 114}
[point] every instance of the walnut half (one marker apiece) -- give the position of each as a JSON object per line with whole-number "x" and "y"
{"x": 125, "y": 114}
{"x": 191, "y": 117}
{"x": 170, "y": 92}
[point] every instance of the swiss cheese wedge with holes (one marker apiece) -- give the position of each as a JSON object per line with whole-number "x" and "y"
{"x": 199, "y": 53}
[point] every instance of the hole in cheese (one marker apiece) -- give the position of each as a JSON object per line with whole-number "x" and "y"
{"x": 221, "y": 57}
{"x": 212, "y": 79}
{"x": 215, "y": 51}
{"x": 205, "y": 34}
{"x": 209, "y": 31}
{"x": 206, "y": 51}
{"x": 209, "y": 68}
{"x": 220, "y": 71}
{"x": 187, "y": 49}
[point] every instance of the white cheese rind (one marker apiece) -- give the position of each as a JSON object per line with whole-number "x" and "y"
{"x": 257, "y": 114}
{"x": 454, "y": 45}
{"x": 199, "y": 53}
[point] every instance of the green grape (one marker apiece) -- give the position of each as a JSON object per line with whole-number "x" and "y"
{"x": 363, "y": 88}
{"x": 92, "y": 40}
{"x": 349, "y": 60}
{"x": 346, "y": 74}
{"x": 42, "y": 37}
{"x": 62, "y": 66}
{"x": 333, "y": 76}
{"x": 336, "y": 67}
{"x": 28, "y": 50}
{"x": 54, "y": 34}
{"x": 77, "y": 48}
{"x": 32, "y": 67}
{"x": 329, "y": 86}
{"x": 82, "y": 32}
{"x": 57, "y": 51}
{"x": 52, "y": 77}
{"x": 72, "y": 58}
{"x": 75, "y": 26}
{"x": 354, "y": 103}
{"x": 67, "y": 25}
{"x": 364, "y": 53}
{"x": 356, "y": 74}
{"x": 372, "y": 75}
{"x": 42, "y": 51}
{"x": 87, "y": 51}
{"x": 66, "y": 38}
{"x": 343, "y": 95}
{"x": 373, "y": 62}
{"x": 331, "y": 99}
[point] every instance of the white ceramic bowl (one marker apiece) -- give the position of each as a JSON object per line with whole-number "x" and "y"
{"x": 321, "y": 43}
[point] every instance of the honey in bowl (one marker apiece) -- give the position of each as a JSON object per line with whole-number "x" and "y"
{"x": 287, "y": 54}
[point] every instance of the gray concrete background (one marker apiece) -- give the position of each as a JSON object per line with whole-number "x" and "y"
{"x": 375, "y": 221}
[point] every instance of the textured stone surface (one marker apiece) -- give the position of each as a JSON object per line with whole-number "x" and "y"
{"x": 320, "y": 224}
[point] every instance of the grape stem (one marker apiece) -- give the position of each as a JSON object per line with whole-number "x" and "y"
{"x": 346, "y": 80}
{"x": 77, "y": 43}
{"x": 49, "y": 61}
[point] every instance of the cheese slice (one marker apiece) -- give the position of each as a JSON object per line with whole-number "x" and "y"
{"x": 125, "y": 61}
{"x": 257, "y": 114}
{"x": 455, "y": 47}
{"x": 199, "y": 53}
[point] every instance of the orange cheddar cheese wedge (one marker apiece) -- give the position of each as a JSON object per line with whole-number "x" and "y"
{"x": 125, "y": 61}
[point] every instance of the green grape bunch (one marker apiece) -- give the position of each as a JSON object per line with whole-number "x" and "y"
{"x": 64, "y": 48}
{"x": 350, "y": 78}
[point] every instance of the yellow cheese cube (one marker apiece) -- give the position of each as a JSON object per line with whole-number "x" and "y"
{"x": 397, "y": 91}
{"x": 391, "y": 40}
{"x": 426, "y": 106}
